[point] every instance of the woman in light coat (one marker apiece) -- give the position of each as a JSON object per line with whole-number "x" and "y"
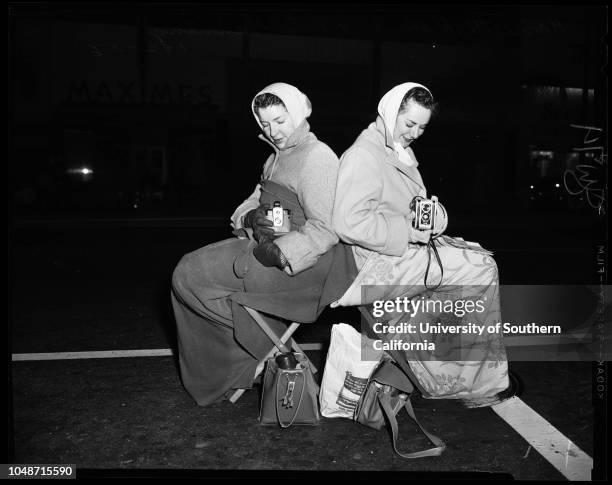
{"x": 377, "y": 183}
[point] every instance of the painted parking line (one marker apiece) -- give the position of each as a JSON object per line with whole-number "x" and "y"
{"x": 547, "y": 440}
{"x": 103, "y": 354}
{"x": 110, "y": 354}
{"x": 209, "y": 222}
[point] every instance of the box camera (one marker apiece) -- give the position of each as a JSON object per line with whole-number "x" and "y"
{"x": 281, "y": 218}
{"x": 425, "y": 213}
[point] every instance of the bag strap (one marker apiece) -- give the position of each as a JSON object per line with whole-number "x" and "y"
{"x": 431, "y": 246}
{"x": 386, "y": 407}
{"x": 278, "y": 399}
{"x": 397, "y": 355}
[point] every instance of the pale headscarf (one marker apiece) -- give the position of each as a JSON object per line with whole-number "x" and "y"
{"x": 297, "y": 103}
{"x": 388, "y": 108}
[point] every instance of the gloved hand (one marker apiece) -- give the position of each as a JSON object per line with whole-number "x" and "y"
{"x": 269, "y": 254}
{"x": 256, "y": 219}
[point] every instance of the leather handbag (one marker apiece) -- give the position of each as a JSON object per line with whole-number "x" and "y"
{"x": 289, "y": 392}
{"x": 387, "y": 392}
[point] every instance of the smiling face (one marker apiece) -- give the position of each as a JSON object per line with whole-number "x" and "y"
{"x": 276, "y": 123}
{"x": 411, "y": 123}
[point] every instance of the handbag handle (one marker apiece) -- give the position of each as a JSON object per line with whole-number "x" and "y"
{"x": 297, "y": 409}
{"x": 386, "y": 407}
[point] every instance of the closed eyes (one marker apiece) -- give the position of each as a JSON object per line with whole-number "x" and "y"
{"x": 278, "y": 122}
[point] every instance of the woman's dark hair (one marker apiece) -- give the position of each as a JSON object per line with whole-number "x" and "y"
{"x": 420, "y": 96}
{"x": 265, "y": 100}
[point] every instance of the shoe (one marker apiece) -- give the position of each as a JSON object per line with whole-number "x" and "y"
{"x": 514, "y": 389}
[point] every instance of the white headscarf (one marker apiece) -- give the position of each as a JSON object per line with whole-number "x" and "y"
{"x": 388, "y": 108}
{"x": 297, "y": 103}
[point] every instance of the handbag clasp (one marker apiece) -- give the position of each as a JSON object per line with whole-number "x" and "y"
{"x": 288, "y": 398}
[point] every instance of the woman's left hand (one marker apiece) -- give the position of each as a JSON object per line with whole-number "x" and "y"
{"x": 269, "y": 254}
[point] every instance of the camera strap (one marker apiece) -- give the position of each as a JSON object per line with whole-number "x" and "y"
{"x": 431, "y": 247}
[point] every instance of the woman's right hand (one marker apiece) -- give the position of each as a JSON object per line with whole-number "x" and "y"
{"x": 257, "y": 220}
{"x": 415, "y": 235}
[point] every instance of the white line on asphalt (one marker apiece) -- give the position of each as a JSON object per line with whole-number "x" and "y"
{"x": 110, "y": 354}
{"x": 103, "y": 354}
{"x": 517, "y": 341}
{"x": 218, "y": 222}
{"x": 547, "y": 440}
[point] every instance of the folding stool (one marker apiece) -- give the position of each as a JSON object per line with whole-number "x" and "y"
{"x": 279, "y": 345}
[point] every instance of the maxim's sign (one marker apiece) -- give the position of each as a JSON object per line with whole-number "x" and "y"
{"x": 127, "y": 92}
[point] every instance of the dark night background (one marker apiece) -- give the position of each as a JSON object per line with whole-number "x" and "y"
{"x": 131, "y": 142}
{"x": 154, "y": 100}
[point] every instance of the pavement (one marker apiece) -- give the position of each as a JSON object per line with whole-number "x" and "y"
{"x": 79, "y": 287}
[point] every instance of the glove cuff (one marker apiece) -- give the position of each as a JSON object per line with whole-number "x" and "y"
{"x": 247, "y": 219}
{"x": 283, "y": 260}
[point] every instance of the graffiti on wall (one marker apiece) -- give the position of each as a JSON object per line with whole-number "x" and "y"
{"x": 589, "y": 177}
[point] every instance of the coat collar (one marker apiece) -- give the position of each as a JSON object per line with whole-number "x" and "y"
{"x": 389, "y": 142}
{"x": 384, "y": 138}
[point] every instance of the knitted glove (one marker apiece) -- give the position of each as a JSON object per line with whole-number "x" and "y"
{"x": 269, "y": 254}
{"x": 256, "y": 219}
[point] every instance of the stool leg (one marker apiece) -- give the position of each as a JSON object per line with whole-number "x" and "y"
{"x": 297, "y": 348}
{"x": 239, "y": 392}
{"x": 234, "y": 397}
{"x": 280, "y": 345}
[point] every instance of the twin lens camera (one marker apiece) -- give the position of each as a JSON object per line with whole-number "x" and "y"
{"x": 280, "y": 217}
{"x": 425, "y": 213}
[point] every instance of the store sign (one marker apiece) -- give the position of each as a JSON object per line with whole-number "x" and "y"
{"x": 123, "y": 92}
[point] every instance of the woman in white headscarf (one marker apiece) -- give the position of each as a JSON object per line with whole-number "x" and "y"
{"x": 378, "y": 181}
{"x": 219, "y": 345}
